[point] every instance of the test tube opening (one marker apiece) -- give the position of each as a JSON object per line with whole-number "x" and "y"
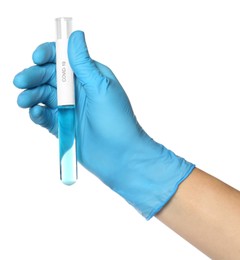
{"x": 63, "y": 27}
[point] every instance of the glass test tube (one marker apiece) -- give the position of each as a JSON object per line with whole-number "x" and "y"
{"x": 66, "y": 104}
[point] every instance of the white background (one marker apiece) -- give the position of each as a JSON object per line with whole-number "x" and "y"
{"x": 179, "y": 62}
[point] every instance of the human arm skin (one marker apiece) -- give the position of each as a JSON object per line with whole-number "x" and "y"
{"x": 206, "y": 212}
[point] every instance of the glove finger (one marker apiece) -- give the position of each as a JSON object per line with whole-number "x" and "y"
{"x": 83, "y": 66}
{"x": 36, "y": 76}
{"x": 44, "y": 94}
{"x": 45, "y": 117}
{"x": 45, "y": 53}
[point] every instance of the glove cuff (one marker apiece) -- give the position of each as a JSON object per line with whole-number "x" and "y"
{"x": 151, "y": 178}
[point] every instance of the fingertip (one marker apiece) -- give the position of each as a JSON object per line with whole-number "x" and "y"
{"x": 21, "y": 101}
{"x": 44, "y": 117}
{"x": 36, "y": 113}
{"x": 19, "y": 80}
{"x": 44, "y": 53}
{"x": 38, "y": 55}
{"x": 77, "y": 35}
{"x": 77, "y": 45}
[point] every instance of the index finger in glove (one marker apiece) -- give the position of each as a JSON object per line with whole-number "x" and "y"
{"x": 45, "y": 53}
{"x": 36, "y": 76}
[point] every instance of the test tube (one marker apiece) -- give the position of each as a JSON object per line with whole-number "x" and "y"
{"x": 66, "y": 104}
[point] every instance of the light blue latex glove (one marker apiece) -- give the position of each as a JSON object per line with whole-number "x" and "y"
{"x": 111, "y": 143}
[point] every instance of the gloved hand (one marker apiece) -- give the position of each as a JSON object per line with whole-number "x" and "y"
{"x": 111, "y": 143}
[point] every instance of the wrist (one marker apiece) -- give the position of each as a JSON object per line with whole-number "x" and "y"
{"x": 150, "y": 176}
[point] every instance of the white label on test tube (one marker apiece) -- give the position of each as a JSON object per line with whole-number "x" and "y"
{"x": 65, "y": 78}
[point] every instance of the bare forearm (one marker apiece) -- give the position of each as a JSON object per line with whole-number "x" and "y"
{"x": 206, "y": 212}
